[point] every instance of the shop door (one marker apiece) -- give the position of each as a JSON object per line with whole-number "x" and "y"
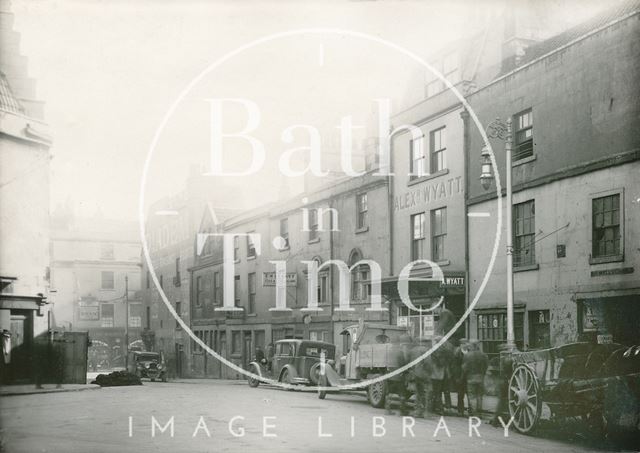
{"x": 248, "y": 350}
{"x": 21, "y": 346}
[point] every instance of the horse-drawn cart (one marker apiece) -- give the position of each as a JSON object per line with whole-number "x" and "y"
{"x": 600, "y": 383}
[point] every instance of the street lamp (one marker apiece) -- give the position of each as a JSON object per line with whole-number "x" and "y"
{"x": 502, "y": 130}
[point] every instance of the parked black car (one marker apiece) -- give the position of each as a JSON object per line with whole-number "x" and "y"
{"x": 147, "y": 364}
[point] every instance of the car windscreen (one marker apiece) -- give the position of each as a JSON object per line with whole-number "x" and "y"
{"x": 317, "y": 350}
{"x": 147, "y": 357}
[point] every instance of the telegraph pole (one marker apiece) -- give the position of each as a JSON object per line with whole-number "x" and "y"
{"x": 126, "y": 322}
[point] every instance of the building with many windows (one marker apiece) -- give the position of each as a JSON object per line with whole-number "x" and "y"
{"x": 95, "y": 271}
{"x": 345, "y": 221}
{"x": 576, "y": 252}
{"x": 25, "y": 143}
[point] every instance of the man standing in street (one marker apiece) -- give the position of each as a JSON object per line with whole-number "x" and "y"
{"x": 459, "y": 379}
{"x": 420, "y": 376}
{"x": 506, "y": 369}
{"x": 474, "y": 366}
{"x": 437, "y": 370}
{"x": 400, "y": 354}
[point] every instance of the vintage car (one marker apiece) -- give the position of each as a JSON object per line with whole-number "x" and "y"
{"x": 293, "y": 362}
{"x": 146, "y": 364}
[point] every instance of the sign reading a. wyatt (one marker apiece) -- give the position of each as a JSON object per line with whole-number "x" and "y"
{"x": 269, "y": 278}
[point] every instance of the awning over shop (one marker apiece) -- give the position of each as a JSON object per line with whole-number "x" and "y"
{"x": 15, "y": 302}
{"x": 452, "y": 283}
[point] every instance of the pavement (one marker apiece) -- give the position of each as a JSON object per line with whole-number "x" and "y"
{"x": 229, "y": 416}
{"x": 30, "y": 389}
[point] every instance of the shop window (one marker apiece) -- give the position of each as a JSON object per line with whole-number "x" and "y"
{"x": 281, "y": 334}
{"x": 135, "y": 315}
{"x": 606, "y": 226}
{"x": 539, "y": 332}
{"x": 438, "y": 145}
{"x": 107, "y": 281}
{"x": 319, "y": 335}
{"x": 417, "y": 236}
{"x": 438, "y": 233}
{"x": 107, "y": 315}
{"x": 492, "y": 330}
{"x": 523, "y": 135}
{"x": 236, "y": 344}
{"x": 524, "y": 232}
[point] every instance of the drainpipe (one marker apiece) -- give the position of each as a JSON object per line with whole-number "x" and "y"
{"x": 465, "y": 149}
{"x": 331, "y": 254}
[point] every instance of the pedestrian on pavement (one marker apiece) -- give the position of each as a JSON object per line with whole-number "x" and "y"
{"x": 400, "y": 354}
{"x": 506, "y": 370}
{"x": 446, "y": 321}
{"x": 420, "y": 376}
{"x": 458, "y": 376}
{"x": 446, "y": 352}
{"x": 270, "y": 353}
{"x": 259, "y": 355}
{"x": 437, "y": 366}
{"x": 475, "y": 364}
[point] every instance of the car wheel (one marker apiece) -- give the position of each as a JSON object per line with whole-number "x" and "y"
{"x": 322, "y": 382}
{"x": 153, "y": 379}
{"x": 253, "y": 382}
{"x": 285, "y": 377}
{"x": 314, "y": 373}
{"x": 164, "y": 378}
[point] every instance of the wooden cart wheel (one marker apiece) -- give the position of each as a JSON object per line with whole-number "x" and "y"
{"x": 525, "y": 399}
{"x": 322, "y": 382}
{"x": 377, "y": 393}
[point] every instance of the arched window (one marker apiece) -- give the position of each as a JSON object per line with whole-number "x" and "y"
{"x": 323, "y": 277}
{"x": 359, "y": 277}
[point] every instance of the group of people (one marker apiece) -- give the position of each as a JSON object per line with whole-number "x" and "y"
{"x": 447, "y": 369}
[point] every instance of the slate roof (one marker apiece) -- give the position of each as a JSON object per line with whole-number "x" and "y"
{"x": 8, "y": 101}
{"x": 621, "y": 9}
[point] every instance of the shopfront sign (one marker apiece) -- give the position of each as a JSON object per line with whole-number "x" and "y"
{"x": 270, "y": 278}
{"x": 452, "y": 282}
{"x": 618, "y": 271}
{"x": 428, "y": 193}
{"x": 89, "y": 312}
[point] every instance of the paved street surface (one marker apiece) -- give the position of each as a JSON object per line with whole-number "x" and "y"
{"x": 98, "y": 421}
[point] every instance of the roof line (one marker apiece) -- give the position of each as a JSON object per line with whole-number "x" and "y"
{"x": 558, "y": 49}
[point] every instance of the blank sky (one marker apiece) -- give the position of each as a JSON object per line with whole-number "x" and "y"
{"x": 108, "y": 71}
